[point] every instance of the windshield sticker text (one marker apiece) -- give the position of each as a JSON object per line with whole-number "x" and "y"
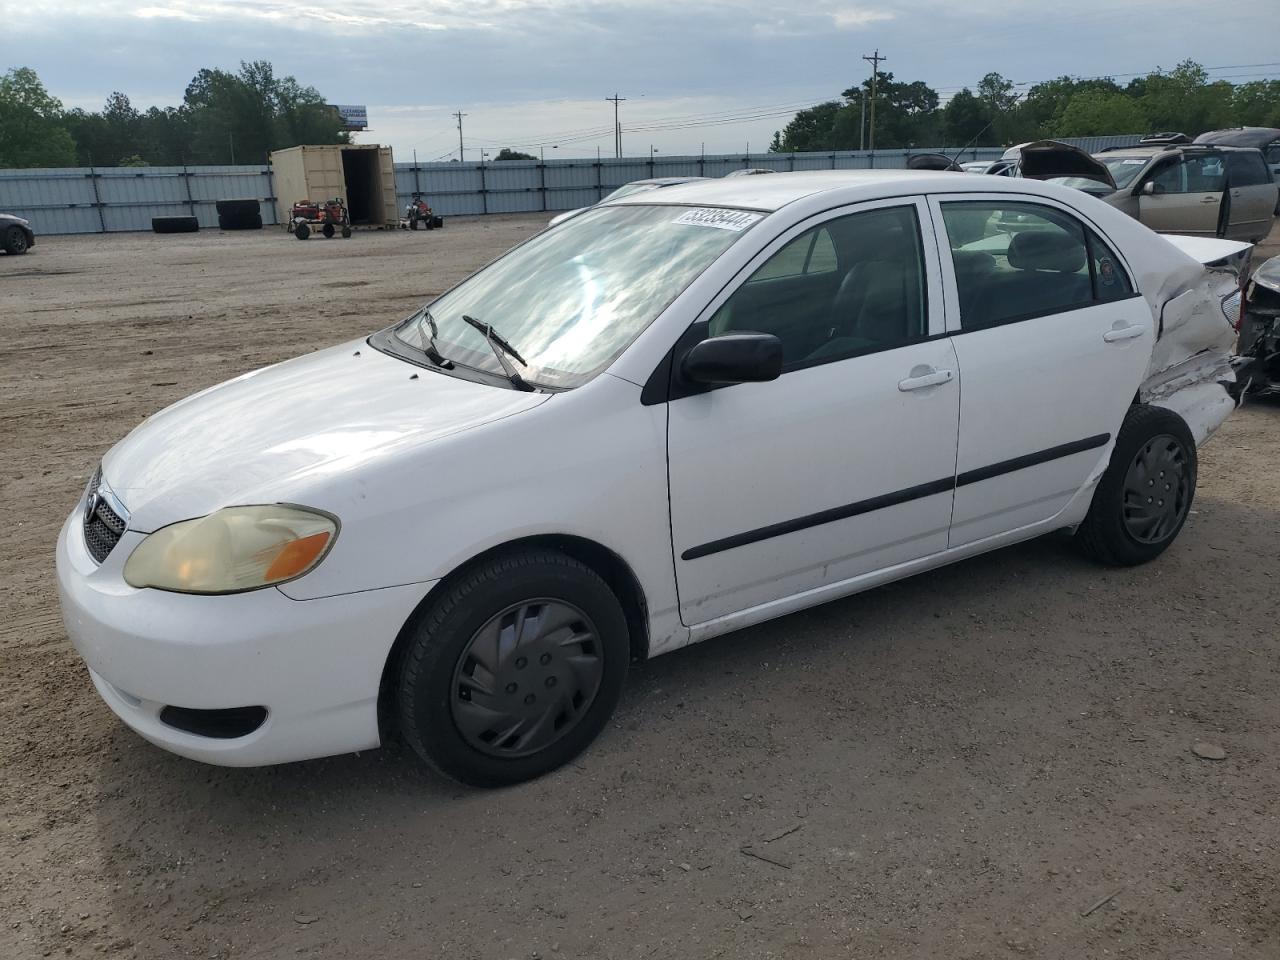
{"x": 735, "y": 220}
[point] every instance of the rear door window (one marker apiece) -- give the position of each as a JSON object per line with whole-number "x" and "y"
{"x": 1018, "y": 260}
{"x": 1246, "y": 169}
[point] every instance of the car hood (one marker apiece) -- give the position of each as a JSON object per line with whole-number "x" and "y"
{"x": 272, "y": 435}
{"x": 1044, "y": 159}
{"x": 10, "y": 218}
{"x": 1240, "y": 137}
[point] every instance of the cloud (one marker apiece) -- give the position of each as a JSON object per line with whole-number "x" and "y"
{"x": 853, "y": 18}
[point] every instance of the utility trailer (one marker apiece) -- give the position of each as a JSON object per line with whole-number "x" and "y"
{"x": 362, "y": 174}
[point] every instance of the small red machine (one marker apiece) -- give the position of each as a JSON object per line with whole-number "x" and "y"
{"x": 330, "y": 216}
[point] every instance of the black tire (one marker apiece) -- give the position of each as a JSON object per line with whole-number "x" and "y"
{"x": 413, "y": 224}
{"x": 175, "y": 224}
{"x": 346, "y": 233}
{"x": 437, "y": 223}
{"x": 237, "y": 209}
{"x": 239, "y": 221}
{"x": 1146, "y": 493}
{"x": 431, "y": 223}
{"x": 433, "y": 688}
{"x": 302, "y": 231}
{"x": 328, "y": 231}
{"x": 14, "y": 240}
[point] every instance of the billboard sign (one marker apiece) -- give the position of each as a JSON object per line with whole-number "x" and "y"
{"x": 353, "y": 117}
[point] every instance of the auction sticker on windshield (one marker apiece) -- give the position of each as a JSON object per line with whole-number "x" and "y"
{"x": 735, "y": 220}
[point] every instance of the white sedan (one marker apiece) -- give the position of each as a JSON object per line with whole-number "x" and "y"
{"x": 672, "y": 416}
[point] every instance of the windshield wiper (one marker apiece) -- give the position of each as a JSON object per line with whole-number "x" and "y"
{"x": 500, "y": 346}
{"x": 429, "y": 343}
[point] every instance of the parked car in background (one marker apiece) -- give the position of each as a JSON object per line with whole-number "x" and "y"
{"x": 1199, "y": 189}
{"x": 16, "y": 235}
{"x": 626, "y": 190}
{"x": 1266, "y": 139}
{"x": 749, "y": 172}
{"x": 675, "y": 415}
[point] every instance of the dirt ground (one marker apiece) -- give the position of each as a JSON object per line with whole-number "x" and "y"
{"x": 989, "y": 761}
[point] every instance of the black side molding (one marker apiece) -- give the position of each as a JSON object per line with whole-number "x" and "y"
{"x": 894, "y": 499}
{"x": 817, "y": 519}
{"x": 1032, "y": 459}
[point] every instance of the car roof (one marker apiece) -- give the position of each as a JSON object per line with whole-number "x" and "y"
{"x": 1170, "y": 149}
{"x": 773, "y": 193}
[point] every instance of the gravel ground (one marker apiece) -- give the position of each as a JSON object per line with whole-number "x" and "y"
{"x": 994, "y": 760}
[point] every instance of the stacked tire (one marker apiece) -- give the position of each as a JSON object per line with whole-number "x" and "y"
{"x": 174, "y": 224}
{"x": 239, "y": 215}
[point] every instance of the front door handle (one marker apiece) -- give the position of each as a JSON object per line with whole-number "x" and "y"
{"x": 1209, "y": 199}
{"x": 922, "y": 377}
{"x": 1124, "y": 333}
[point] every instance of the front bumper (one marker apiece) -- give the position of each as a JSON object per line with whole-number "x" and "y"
{"x": 315, "y": 665}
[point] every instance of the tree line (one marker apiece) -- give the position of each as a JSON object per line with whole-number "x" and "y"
{"x": 224, "y": 118}
{"x": 1185, "y": 99}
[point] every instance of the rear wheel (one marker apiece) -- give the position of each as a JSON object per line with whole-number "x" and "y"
{"x": 302, "y": 231}
{"x": 328, "y": 231}
{"x": 514, "y": 669}
{"x": 1144, "y": 496}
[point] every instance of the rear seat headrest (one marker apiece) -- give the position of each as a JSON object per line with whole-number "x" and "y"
{"x": 1047, "y": 250}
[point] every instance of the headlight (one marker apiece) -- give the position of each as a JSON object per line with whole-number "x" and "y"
{"x": 1231, "y": 309}
{"x": 236, "y": 549}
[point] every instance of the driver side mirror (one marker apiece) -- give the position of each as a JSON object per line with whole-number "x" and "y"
{"x": 734, "y": 358}
{"x": 1151, "y": 188}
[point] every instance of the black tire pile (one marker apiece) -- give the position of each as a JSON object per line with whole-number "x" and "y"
{"x": 175, "y": 224}
{"x": 239, "y": 215}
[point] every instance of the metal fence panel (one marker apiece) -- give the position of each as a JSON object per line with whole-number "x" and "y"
{"x": 106, "y": 199}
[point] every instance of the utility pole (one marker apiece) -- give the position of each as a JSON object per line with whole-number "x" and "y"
{"x": 874, "y": 60}
{"x": 460, "y": 115}
{"x": 617, "y": 127}
{"x": 862, "y": 123}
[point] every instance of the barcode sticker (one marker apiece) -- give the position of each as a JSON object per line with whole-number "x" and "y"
{"x": 735, "y": 220}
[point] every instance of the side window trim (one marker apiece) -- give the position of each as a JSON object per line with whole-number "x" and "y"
{"x": 951, "y": 296}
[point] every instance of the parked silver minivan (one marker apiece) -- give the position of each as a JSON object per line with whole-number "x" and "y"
{"x": 1199, "y": 188}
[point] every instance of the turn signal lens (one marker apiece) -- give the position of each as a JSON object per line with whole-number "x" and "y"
{"x": 236, "y": 549}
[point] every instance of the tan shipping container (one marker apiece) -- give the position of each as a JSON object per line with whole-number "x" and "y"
{"x": 362, "y": 174}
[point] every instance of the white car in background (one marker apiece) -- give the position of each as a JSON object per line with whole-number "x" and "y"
{"x": 673, "y": 416}
{"x": 627, "y": 190}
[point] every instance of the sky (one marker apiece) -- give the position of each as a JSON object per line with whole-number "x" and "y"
{"x": 716, "y": 75}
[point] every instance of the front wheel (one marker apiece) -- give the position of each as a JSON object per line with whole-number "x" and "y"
{"x": 302, "y": 231}
{"x": 1144, "y": 496}
{"x": 514, "y": 669}
{"x": 14, "y": 240}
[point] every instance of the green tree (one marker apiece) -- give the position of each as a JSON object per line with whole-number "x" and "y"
{"x": 1099, "y": 113}
{"x": 506, "y": 153}
{"x": 31, "y": 130}
{"x": 966, "y": 120}
{"x": 1257, "y": 103}
{"x": 241, "y": 117}
{"x": 1184, "y": 99}
{"x": 906, "y": 113}
{"x": 809, "y": 130}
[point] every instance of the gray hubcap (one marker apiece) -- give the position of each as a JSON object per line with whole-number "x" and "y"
{"x": 1156, "y": 490}
{"x": 17, "y": 241}
{"x": 526, "y": 678}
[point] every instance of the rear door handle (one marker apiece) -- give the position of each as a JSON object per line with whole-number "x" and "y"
{"x": 1124, "y": 333}
{"x": 931, "y": 378}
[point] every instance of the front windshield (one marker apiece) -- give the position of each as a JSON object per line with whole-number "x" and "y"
{"x": 571, "y": 299}
{"x": 627, "y": 189}
{"x": 1124, "y": 169}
